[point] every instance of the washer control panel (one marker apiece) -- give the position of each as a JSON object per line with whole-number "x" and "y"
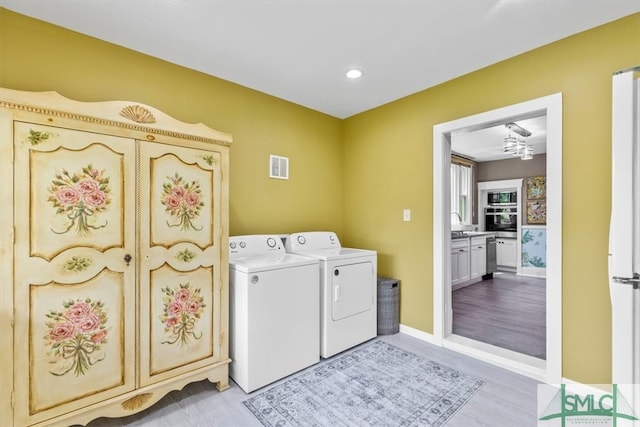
{"x": 255, "y": 245}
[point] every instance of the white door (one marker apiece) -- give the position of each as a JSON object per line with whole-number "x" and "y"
{"x": 478, "y": 258}
{"x": 455, "y": 267}
{"x": 352, "y": 289}
{"x": 624, "y": 237}
{"x": 463, "y": 264}
{"x": 509, "y": 253}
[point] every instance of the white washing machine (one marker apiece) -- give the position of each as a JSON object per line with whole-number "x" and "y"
{"x": 348, "y": 280}
{"x": 274, "y": 311}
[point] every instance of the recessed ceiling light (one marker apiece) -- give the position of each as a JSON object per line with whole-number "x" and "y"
{"x": 354, "y": 73}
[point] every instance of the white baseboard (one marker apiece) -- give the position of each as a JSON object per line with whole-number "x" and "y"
{"x": 465, "y": 284}
{"x": 416, "y": 333}
{"x": 534, "y": 272}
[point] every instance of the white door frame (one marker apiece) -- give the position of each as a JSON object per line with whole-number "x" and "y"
{"x": 551, "y": 105}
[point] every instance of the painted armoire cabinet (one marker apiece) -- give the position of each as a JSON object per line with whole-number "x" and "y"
{"x": 114, "y": 268}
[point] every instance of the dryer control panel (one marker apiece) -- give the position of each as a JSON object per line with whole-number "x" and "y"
{"x": 255, "y": 245}
{"x": 311, "y": 240}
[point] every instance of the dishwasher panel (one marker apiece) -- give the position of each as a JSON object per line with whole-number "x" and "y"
{"x": 491, "y": 258}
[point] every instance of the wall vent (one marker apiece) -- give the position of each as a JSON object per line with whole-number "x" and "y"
{"x": 278, "y": 167}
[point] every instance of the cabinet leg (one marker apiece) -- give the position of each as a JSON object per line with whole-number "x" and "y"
{"x": 222, "y": 385}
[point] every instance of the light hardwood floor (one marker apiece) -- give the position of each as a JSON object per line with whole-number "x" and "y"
{"x": 508, "y": 311}
{"x": 506, "y": 400}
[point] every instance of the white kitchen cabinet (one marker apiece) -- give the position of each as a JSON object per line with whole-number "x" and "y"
{"x": 478, "y": 257}
{"x": 114, "y": 238}
{"x": 506, "y": 253}
{"x": 460, "y": 262}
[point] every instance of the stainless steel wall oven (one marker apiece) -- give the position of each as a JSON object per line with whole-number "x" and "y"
{"x": 501, "y": 220}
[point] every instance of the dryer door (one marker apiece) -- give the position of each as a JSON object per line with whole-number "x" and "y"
{"x": 352, "y": 286}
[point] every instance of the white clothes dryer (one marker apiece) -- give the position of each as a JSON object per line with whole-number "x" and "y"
{"x": 348, "y": 287}
{"x": 274, "y": 311}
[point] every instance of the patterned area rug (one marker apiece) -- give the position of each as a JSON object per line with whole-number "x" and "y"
{"x": 375, "y": 384}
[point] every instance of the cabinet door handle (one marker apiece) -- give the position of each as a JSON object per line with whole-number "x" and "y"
{"x": 127, "y": 259}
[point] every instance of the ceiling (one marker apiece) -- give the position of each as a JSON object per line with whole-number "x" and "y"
{"x": 298, "y": 50}
{"x": 485, "y": 145}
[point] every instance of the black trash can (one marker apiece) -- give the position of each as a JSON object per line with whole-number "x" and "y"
{"x": 388, "y": 306}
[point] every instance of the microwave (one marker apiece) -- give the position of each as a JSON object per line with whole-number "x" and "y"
{"x": 502, "y": 198}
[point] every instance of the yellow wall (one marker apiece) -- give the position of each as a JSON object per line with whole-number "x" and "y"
{"x": 355, "y": 176}
{"x": 36, "y": 56}
{"x": 388, "y": 167}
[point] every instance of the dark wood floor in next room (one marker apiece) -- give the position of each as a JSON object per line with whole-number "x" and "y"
{"x": 508, "y": 311}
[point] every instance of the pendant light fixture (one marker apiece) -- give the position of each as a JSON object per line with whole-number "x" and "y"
{"x": 517, "y": 146}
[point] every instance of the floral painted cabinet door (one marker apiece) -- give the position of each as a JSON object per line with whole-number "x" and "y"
{"x": 74, "y": 288}
{"x": 180, "y": 274}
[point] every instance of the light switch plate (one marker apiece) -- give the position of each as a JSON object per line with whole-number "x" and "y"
{"x": 406, "y": 215}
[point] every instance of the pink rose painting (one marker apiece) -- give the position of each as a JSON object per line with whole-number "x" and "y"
{"x": 80, "y": 198}
{"x": 182, "y": 201}
{"x": 75, "y": 336}
{"x": 182, "y": 309}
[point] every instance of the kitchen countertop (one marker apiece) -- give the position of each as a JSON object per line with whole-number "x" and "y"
{"x": 467, "y": 234}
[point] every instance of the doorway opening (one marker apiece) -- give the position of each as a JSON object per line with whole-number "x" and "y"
{"x": 549, "y": 370}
